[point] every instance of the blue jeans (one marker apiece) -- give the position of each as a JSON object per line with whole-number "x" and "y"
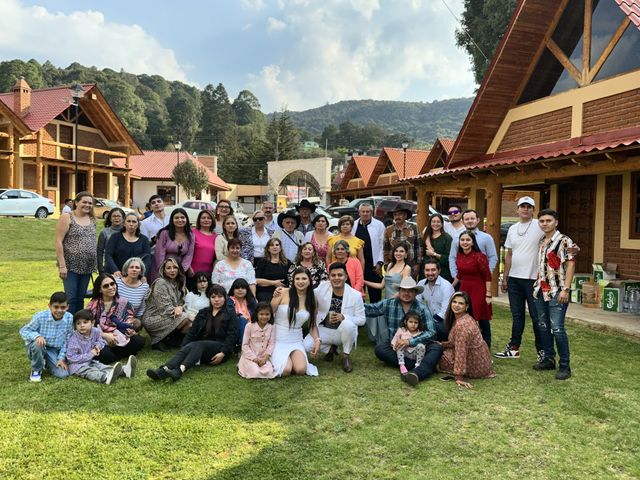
{"x": 520, "y": 291}
{"x": 428, "y": 365}
{"x": 441, "y": 330}
{"x": 45, "y": 356}
{"x": 75, "y": 286}
{"x": 551, "y": 324}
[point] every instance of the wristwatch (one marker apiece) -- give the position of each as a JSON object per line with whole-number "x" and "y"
{"x": 566, "y": 289}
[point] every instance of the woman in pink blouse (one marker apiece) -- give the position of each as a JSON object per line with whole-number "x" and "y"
{"x": 319, "y": 236}
{"x": 174, "y": 240}
{"x": 465, "y": 354}
{"x": 204, "y": 251}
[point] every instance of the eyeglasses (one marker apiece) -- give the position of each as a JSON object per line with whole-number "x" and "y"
{"x": 108, "y": 285}
{"x": 225, "y": 206}
{"x": 258, "y": 219}
{"x": 453, "y": 212}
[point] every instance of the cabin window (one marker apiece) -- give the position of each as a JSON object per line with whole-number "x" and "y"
{"x": 52, "y": 176}
{"x": 634, "y": 228}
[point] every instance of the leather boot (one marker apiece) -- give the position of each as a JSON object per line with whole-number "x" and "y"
{"x": 347, "y": 366}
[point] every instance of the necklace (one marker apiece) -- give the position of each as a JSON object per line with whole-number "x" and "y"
{"x": 522, "y": 234}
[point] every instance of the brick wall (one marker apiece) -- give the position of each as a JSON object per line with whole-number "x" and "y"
{"x": 628, "y": 260}
{"x": 90, "y": 139}
{"x": 611, "y": 113}
{"x": 537, "y": 130}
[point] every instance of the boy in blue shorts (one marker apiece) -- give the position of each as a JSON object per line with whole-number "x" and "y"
{"x": 45, "y": 337}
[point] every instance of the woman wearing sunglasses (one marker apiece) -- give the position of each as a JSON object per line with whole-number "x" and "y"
{"x": 260, "y": 235}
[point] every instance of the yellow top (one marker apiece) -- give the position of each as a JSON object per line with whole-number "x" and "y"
{"x": 355, "y": 245}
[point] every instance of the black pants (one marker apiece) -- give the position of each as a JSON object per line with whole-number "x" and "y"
{"x": 110, "y": 354}
{"x": 199, "y": 351}
{"x": 370, "y": 275}
{"x": 485, "y": 331}
{"x": 441, "y": 330}
{"x": 385, "y": 352}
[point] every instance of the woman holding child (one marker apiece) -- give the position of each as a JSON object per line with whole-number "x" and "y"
{"x": 114, "y": 316}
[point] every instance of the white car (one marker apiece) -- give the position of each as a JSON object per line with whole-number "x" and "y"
{"x": 194, "y": 207}
{"x": 22, "y": 203}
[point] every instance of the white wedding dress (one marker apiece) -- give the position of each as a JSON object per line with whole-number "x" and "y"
{"x": 289, "y": 339}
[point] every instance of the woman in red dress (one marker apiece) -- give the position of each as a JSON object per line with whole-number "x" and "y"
{"x": 474, "y": 277}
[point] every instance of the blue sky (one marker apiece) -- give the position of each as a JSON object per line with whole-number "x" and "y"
{"x": 297, "y": 54}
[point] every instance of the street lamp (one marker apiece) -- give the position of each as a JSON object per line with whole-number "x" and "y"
{"x": 77, "y": 91}
{"x": 405, "y": 145}
{"x": 177, "y": 145}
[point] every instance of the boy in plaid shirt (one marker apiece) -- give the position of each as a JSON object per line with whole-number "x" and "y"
{"x": 45, "y": 337}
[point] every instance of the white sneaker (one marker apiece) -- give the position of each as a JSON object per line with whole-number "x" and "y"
{"x": 35, "y": 376}
{"x": 113, "y": 375}
{"x": 508, "y": 352}
{"x": 129, "y": 370}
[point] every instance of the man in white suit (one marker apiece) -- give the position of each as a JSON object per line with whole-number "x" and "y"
{"x": 340, "y": 313}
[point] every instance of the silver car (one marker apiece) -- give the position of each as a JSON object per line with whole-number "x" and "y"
{"x": 23, "y": 203}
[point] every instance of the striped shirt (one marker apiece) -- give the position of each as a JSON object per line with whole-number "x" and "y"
{"x": 55, "y": 332}
{"x": 135, "y": 295}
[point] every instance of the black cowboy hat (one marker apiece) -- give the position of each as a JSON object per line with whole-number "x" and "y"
{"x": 288, "y": 214}
{"x": 400, "y": 208}
{"x": 306, "y": 204}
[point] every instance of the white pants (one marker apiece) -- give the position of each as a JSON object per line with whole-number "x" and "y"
{"x": 346, "y": 335}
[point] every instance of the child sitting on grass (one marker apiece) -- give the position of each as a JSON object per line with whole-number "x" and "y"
{"x": 84, "y": 346}
{"x": 410, "y": 326}
{"x": 45, "y": 337}
{"x": 257, "y": 344}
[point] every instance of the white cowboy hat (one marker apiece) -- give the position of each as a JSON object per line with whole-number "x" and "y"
{"x": 409, "y": 283}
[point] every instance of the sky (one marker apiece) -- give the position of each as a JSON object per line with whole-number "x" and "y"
{"x": 294, "y": 54}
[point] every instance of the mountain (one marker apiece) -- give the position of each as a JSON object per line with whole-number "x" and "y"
{"x": 419, "y": 120}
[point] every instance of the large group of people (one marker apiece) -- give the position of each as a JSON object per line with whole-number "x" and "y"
{"x": 285, "y": 290}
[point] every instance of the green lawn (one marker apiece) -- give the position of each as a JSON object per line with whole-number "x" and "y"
{"x": 214, "y": 424}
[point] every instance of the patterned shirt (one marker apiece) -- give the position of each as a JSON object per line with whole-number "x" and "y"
{"x": 409, "y": 234}
{"x": 55, "y": 332}
{"x": 393, "y": 312}
{"x": 552, "y": 265}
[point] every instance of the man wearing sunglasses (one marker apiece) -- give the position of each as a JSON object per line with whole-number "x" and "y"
{"x": 454, "y": 226}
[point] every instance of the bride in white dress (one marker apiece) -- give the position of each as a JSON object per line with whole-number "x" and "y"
{"x": 293, "y": 307}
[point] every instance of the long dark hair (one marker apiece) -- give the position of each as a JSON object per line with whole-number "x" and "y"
{"x": 199, "y": 276}
{"x": 404, "y": 245}
{"x": 171, "y": 228}
{"x": 429, "y": 231}
{"x": 449, "y": 317}
{"x": 97, "y": 286}
{"x": 242, "y": 283}
{"x": 107, "y": 219}
{"x": 236, "y": 232}
{"x": 180, "y": 278}
{"x": 124, "y": 220}
{"x": 262, "y": 306}
{"x": 309, "y": 303}
{"x": 474, "y": 247}
{"x": 217, "y": 290}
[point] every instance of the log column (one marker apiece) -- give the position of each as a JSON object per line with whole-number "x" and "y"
{"x": 91, "y": 172}
{"x": 12, "y": 157}
{"x": 39, "y": 166}
{"x": 494, "y": 214}
{"x": 127, "y": 183}
{"x": 424, "y": 199}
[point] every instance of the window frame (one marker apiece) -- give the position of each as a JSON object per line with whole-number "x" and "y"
{"x": 634, "y": 207}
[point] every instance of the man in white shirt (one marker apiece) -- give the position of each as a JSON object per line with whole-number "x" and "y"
{"x": 520, "y": 273}
{"x": 454, "y": 226}
{"x": 150, "y": 226}
{"x": 340, "y": 313}
{"x": 68, "y": 206}
{"x": 371, "y": 231}
{"x": 485, "y": 242}
{"x": 436, "y": 295}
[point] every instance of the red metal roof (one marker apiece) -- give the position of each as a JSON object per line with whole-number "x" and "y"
{"x": 632, "y": 9}
{"x": 46, "y": 104}
{"x": 563, "y": 148}
{"x": 415, "y": 161}
{"x": 366, "y": 165}
{"x": 156, "y": 164}
{"x": 447, "y": 144}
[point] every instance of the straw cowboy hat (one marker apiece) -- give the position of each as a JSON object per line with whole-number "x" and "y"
{"x": 409, "y": 283}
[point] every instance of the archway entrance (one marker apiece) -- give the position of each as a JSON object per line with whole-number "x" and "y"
{"x": 312, "y": 173}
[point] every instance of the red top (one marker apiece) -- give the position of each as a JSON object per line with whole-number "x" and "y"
{"x": 473, "y": 273}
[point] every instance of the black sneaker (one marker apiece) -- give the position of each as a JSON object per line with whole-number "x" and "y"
{"x": 545, "y": 364}
{"x": 413, "y": 379}
{"x": 563, "y": 373}
{"x": 174, "y": 373}
{"x": 157, "y": 373}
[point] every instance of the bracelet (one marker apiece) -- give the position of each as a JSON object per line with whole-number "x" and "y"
{"x": 489, "y": 296}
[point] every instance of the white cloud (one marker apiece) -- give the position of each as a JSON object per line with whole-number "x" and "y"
{"x": 253, "y": 4}
{"x": 85, "y": 37}
{"x": 275, "y": 25}
{"x": 247, "y": 27}
{"x": 387, "y": 51}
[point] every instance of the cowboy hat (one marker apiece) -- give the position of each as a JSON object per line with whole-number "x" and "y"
{"x": 288, "y": 214}
{"x": 306, "y": 204}
{"x": 405, "y": 210}
{"x": 409, "y": 283}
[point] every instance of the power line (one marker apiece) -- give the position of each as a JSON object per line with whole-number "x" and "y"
{"x": 465, "y": 30}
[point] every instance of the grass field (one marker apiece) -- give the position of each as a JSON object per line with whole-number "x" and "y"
{"x": 214, "y": 424}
